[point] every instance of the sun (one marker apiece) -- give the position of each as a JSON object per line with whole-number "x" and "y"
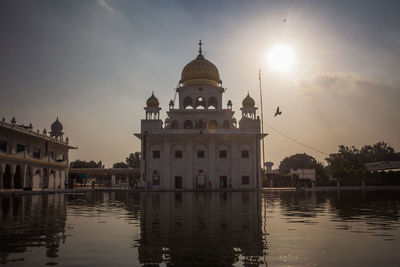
{"x": 281, "y": 57}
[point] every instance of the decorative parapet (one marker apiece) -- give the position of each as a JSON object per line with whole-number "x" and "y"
{"x": 28, "y": 131}
{"x": 26, "y": 157}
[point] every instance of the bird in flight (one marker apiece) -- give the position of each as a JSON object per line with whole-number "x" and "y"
{"x": 277, "y": 112}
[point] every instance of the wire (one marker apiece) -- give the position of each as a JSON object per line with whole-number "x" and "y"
{"x": 294, "y": 140}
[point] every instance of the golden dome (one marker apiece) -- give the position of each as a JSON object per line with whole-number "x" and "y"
{"x": 200, "y": 70}
{"x": 248, "y": 102}
{"x": 152, "y": 102}
{"x": 56, "y": 126}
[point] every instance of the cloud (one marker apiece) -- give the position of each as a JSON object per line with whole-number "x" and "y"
{"x": 352, "y": 100}
{"x": 325, "y": 81}
{"x": 106, "y": 6}
{"x": 348, "y": 84}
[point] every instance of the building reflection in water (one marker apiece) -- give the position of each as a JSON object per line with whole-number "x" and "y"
{"x": 31, "y": 221}
{"x": 195, "y": 228}
{"x": 202, "y": 228}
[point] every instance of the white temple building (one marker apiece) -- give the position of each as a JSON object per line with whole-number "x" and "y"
{"x": 200, "y": 146}
{"x": 31, "y": 159}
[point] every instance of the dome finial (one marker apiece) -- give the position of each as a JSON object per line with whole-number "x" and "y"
{"x": 152, "y": 101}
{"x": 200, "y": 44}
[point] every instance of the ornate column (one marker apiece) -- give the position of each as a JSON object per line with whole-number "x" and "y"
{"x": 23, "y": 175}
{"x": 41, "y": 182}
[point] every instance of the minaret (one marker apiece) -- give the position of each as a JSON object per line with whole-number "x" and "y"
{"x": 152, "y": 108}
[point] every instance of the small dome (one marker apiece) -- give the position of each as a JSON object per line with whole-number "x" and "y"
{"x": 56, "y": 126}
{"x": 152, "y": 102}
{"x": 248, "y": 102}
{"x": 200, "y": 70}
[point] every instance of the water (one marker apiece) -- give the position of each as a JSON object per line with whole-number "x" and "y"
{"x": 346, "y": 228}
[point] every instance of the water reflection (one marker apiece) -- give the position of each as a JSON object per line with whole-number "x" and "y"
{"x": 203, "y": 228}
{"x": 31, "y": 221}
{"x": 219, "y": 229}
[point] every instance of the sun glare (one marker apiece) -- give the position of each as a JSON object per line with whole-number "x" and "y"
{"x": 281, "y": 57}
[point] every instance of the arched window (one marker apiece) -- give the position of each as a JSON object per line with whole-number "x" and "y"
{"x": 174, "y": 124}
{"x": 225, "y": 124}
{"x": 187, "y": 102}
{"x": 18, "y": 182}
{"x": 188, "y": 124}
{"x": 7, "y": 177}
{"x": 200, "y": 103}
{"x": 213, "y": 102}
{"x": 212, "y": 124}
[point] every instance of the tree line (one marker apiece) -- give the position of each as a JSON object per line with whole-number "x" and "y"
{"x": 132, "y": 161}
{"x": 347, "y": 165}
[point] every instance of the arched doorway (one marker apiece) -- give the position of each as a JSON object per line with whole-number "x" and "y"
{"x": 188, "y": 124}
{"x": 213, "y": 103}
{"x": 200, "y": 103}
{"x": 18, "y": 178}
{"x": 188, "y": 103}
{"x": 7, "y": 177}
{"x": 45, "y": 183}
{"x": 212, "y": 124}
{"x": 28, "y": 177}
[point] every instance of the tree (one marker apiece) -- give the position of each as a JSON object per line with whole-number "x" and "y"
{"x": 348, "y": 164}
{"x": 350, "y": 159}
{"x": 120, "y": 165}
{"x": 378, "y": 152}
{"x": 133, "y": 160}
{"x": 347, "y": 158}
{"x": 297, "y": 161}
{"x": 303, "y": 161}
{"x": 86, "y": 164}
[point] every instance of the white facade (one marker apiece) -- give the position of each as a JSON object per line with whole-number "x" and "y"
{"x": 200, "y": 146}
{"x": 30, "y": 159}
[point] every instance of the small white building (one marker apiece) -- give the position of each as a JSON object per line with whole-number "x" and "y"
{"x": 200, "y": 144}
{"x": 34, "y": 160}
{"x": 304, "y": 174}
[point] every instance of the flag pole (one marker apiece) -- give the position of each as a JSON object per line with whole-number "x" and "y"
{"x": 262, "y": 123}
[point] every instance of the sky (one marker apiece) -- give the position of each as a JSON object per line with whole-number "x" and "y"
{"x": 94, "y": 64}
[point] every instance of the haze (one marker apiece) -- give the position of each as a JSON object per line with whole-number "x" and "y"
{"x": 94, "y": 64}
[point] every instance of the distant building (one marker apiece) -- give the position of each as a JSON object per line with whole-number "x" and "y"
{"x": 305, "y": 174}
{"x": 30, "y": 159}
{"x": 383, "y": 166}
{"x": 200, "y": 145}
{"x": 268, "y": 167}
